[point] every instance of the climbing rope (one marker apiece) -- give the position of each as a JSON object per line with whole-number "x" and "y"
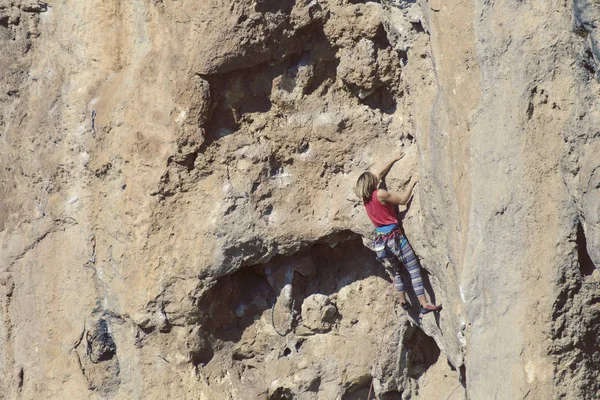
{"x": 289, "y": 322}
{"x": 452, "y": 392}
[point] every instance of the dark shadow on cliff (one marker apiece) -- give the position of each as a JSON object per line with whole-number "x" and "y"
{"x": 237, "y": 300}
{"x": 239, "y": 94}
{"x": 233, "y": 304}
{"x": 420, "y": 352}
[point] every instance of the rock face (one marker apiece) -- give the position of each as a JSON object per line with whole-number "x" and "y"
{"x": 177, "y": 217}
{"x": 318, "y": 313}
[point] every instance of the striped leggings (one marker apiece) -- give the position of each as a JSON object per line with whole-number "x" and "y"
{"x": 394, "y": 247}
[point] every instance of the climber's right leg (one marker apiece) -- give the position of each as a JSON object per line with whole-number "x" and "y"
{"x": 411, "y": 263}
{"x": 385, "y": 250}
{"x": 392, "y": 267}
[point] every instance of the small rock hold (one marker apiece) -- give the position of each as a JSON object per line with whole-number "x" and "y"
{"x": 163, "y": 323}
{"x": 144, "y": 322}
{"x": 318, "y": 313}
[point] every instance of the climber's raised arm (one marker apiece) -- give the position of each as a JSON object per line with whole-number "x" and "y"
{"x": 386, "y": 197}
{"x": 381, "y": 175}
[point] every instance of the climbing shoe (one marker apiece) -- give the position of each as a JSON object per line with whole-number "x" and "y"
{"x": 406, "y": 306}
{"x": 429, "y": 308}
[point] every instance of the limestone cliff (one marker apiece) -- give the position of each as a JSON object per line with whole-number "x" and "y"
{"x": 177, "y": 217}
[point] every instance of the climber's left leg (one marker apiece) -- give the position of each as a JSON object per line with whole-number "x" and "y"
{"x": 410, "y": 261}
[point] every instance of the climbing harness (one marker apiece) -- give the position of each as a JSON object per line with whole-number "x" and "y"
{"x": 453, "y": 390}
{"x": 385, "y": 234}
{"x": 289, "y": 322}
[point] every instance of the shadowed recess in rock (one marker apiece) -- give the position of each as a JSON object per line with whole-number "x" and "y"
{"x": 239, "y": 94}
{"x": 273, "y": 6}
{"x": 420, "y": 352}
{"x": 576, "y": 324}
{"x": 360, "y": 390}
{"x": 306, "y": 296}
{"x": 381, "y": 99}
{"x": 586, "y": 264}
{"x": 282, "y": 393}
{"x": 238, "y": 299}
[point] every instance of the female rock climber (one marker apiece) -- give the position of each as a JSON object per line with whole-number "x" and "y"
{"x": 390, "y": 243}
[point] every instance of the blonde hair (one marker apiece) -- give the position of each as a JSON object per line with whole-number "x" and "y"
{"x": 366, "y": 185}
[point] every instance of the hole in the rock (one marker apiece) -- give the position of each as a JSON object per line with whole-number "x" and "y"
{"x": 324, "y": 62}
{"x": 530, "y": 109}
{"x": 586, "y": 266}
{"x": 381, "y": 99}
{"x": 282, "y": 393}
{"x": 391, "y": 395}
{"x": 147, "y": 329}
{"x": 189, "y": 161}
{"x": 315, "y": 385}
{"x": 238, "y": 300}
{"x": 273, "y": 6}
{"x": 579, "y": 28}
{"x": 381, "y": 39}
{"x": 591, "y": 342}
{"x": 420, "y": 350}
{"x": 418, "y": 26}
{"x": 221, "y": 123}
{"x": 234, "y": 303}
{"x": 304, "y": 148}
{"x": 463, "y": 376}
{"x": 403, "y": 56}
{"x": 296, "y": 62}
{"x": 238, "y": 94}
{"x": 359, "y": 390}
{"x": 268, "y": 211}
{"x": 203, "y": 356}
{"x": 589, "y": 54}
{"x": 275, "y": 166}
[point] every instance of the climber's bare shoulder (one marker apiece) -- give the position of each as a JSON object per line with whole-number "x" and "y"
{"x": 386, "y": 197}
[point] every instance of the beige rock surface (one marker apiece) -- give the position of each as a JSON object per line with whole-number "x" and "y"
{"x": 177, "y": 217}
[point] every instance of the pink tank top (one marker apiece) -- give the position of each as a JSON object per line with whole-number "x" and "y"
{"x": 380, "y": 215}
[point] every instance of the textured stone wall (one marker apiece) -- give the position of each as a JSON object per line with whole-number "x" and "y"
{"x": 177, "y": 215}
